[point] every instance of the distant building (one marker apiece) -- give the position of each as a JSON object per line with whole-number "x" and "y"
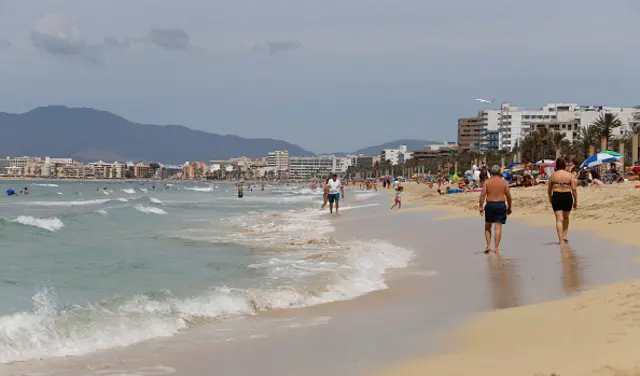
{"x": 512, "y": 123}
{"x": 278, "y": 159}
{"x": 470, "y": 133}
{"x": 318, "y": 166}
{"x": 105, "y": 170}
{"x": 396, "y": 156}
{"x": 433, "y": 153}
{"x": 445, "y": 145}
{"x": 51, "y": 165}
{"x": 140, "y": 170}
{"x": 194, "y": 170}
{"x": 362, "y": 160}
{"x": 170, "y": 172}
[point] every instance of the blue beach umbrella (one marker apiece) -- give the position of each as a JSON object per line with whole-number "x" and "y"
{"x": 598, "y": 159}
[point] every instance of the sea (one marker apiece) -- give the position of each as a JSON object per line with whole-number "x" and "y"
{"x": 92, "y": 266}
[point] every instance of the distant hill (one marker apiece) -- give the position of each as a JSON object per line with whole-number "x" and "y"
{"x": 88, "y": 134}
{"x": 411, "y": 145}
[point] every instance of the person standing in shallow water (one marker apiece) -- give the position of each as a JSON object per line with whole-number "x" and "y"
{"x": 240, "y": 190}
{"x": 498, "y": 206}
{"x": 563, "y": 196}
{"x": 335, "y": 189}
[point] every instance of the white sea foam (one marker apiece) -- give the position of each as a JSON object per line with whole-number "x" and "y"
{"x": 59, "y": 193}
{"x": 145, "y": 190}
{"x": 65, "y": 203}
{"x": 365, "y": 195}
{"x": 45, "y": 185}
{"x": 122, "y": 199}
{"x": 128, "y": 191}
{"x": 150, "y": 210}
{"x": 48, "y": 331}
{"x": 49, "y": 224}
{"x": 155, "y": 201}
{"x": 102, "y": 212}
{"x": 200, "y": 189}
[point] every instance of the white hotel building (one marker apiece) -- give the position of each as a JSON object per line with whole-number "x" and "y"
{"x": 318, "y": 166}
{"x": 513, "y": 124}
{"x": 396, "y": 156}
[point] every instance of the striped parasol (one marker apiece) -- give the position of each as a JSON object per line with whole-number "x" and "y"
{"x": 601, "y": 158}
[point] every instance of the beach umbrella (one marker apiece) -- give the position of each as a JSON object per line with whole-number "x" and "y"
{"x": 611, "y": 153}
{"x": 598, "y": 159}
{"x": 514, "y": 164}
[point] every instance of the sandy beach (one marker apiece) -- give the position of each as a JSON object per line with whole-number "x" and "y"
{"x": 609, "y": 211}
{"x": 594, "y": 333}
{"x": 453, "y": 311}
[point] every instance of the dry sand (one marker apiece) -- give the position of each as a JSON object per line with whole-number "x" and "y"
{"x": 609, "y": 211}
{"x": 595, "y": 333}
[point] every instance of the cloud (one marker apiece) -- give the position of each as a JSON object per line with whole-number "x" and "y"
{"x": 273, "y": 47}
{"x": 169, "y": 39}
{"x": 53, "y": 35}
{"x": 56, "y": 37}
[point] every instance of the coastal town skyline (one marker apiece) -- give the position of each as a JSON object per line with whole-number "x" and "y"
{"x": 489, "y": 131}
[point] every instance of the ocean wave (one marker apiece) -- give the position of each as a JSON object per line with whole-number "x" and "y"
{"x": 365, "y": 195}
{"x": 200, "y": 189}
{"x": 101, "y": 212}
{"x": 155, "y": 201}
{"x": 150, "y": 210}
{"x": 44, "y": 185}
{"x": 145, "y": 190}
{"x": 65, "y": 203}
{"x": 47, "y": 331}
{"x": 49, "y": 224}
{"x": 128, "y": 191}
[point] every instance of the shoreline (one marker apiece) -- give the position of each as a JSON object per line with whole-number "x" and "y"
{"x": 591, "y": 333}
{"x": 448, "y": 285}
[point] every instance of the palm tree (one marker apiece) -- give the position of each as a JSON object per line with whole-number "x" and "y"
{"x": 605, "y": 124}
{"x": 587, "y": 137}
{"x": 558, "y": 140}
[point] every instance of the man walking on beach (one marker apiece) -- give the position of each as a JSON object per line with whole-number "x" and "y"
{"x": 496, "y": 192}
{"x": 335, "y": 188}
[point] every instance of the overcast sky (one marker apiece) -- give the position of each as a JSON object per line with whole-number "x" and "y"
{"x": 331, "y": 75}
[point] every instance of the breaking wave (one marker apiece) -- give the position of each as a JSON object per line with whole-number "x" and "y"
{"x": 49, "y": 224}
{"x": 150, "y": 210}
{"x": 49, "y": 331}
{"x": 200, "y": 189}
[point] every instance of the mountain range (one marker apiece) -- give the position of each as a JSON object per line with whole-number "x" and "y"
{"x": 86, "y": 134}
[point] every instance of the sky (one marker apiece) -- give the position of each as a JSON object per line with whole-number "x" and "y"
{"x": 327, "y": 75}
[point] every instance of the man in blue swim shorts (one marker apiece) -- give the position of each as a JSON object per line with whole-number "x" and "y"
{"x": 498, "y": 197}
{"x": 335, "y": 188}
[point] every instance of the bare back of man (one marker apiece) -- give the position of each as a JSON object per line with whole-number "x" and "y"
{"x": 495, "y": 191}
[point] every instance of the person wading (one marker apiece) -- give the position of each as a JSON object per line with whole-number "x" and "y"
{"x": 335, "y": 188}
{"x": 498, "y": 197}
{"x": 563, "y": 195}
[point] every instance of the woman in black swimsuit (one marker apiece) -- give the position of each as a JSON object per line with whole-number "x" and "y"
{"x": 563, "y": 196}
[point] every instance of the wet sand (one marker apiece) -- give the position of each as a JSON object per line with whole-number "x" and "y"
{"x": 450, "y": 282}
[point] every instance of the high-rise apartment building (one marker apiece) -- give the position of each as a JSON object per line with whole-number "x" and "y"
{"x": 512, "y": 123}
{"x": 279, "y": 160}
{"x": 470, "y": 132}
